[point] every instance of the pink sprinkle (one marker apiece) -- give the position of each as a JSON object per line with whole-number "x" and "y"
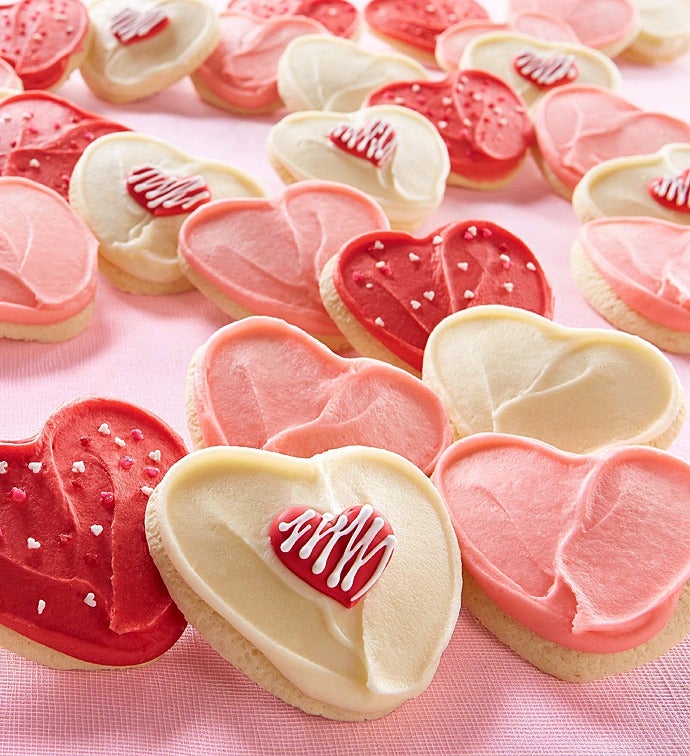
{"x": 108, "y": 499}
{"x": 63, "y": 539}
{"x": 152, "y": 472}
{"x": 91, "y": 557}
{"x": 17, "y": 495}
{"x": 506, "y": 261}
{"x": 384, "y": 267}
{"x": 487, "y": 232}
{"x": 85, "y": 440}
{"x": 137, "y": 435}
{"x": 126, "y": 462}
{"x": 2, "y": 535}
{"x": 358, "y": 277}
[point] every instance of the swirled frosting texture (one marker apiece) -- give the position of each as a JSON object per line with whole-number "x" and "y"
{"x": 570, "y": 545}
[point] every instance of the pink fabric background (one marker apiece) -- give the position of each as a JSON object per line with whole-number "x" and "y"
{"x": 484, "y": 699}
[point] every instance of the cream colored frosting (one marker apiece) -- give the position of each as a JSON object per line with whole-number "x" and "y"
{"x": 318, "y": 72}
{"x": 409, "y": 186}
{"x": 507, "y": 370}
{"x": 619, "y": 187}
{"x": 131, "y": 237}
{"x": 569, "y": 545}
{"x": 126, "y": 72}
{"x": 214, "y": 510}
{"x": 664, "y": 30}
{"x": 496, "y": 51}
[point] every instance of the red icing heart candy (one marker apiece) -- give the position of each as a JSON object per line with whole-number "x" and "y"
{"x": 546, "y": 71}
{"x": 161, "y": 194}
{"x": 338, "y": 16}
{"x": 129, "y": 25}
{"x": 75, "y": 571}
{"x": 672, "y": 192}
{"x": 339, "y": 555}
{"x": 375, "y": 141}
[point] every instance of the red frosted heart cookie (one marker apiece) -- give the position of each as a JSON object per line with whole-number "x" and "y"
{"x": 338, "y": 16}
{"x": 42, "y": 136}
{"x": 78, "y": 587}
{"x": 387, "y": 291}
{"x": 482, "y": 121}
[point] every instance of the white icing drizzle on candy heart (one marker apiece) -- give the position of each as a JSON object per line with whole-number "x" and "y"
{"x": 546, "y": 70}
{"x": 375, "y": 141}
{"x": 166, "y": 195}
{"x": 672, "y": 191}
{"x": 130, "y": 25}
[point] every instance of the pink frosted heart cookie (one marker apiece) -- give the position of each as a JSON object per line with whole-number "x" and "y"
{"x": 636, "y": 273}
{"x": 315, "y": 402}
{"x": 134, "y": 192}
{"x": 228, "y": 250}
{"x": 561, "y": 551}
{"x": 578, "y": 127}
{"x": 42, "y": 136}
{"x": 333, "y": 582}
{"x": 482, "y": 121}
{"x": 78, "y": 588}
{"x": 388, "y": 291}
{"x": 507, "y": 370}
{"x": 140, "y": 48}
{"x": 338, "y": 16}
{"x": 48, "y": 264}
{"x": 241, "y": 74}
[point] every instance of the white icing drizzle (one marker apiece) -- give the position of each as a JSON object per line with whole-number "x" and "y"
{"x": 158, "y": 190}
{"x": 546, "y": 70}
{"x": 129, "y": 24}
{"x": 358, "y": 547}
{"x": 673, "y": 189}
{"x": 375, "y": 141}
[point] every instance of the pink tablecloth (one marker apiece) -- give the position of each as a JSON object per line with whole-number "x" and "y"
{"x": 484, "y": 699}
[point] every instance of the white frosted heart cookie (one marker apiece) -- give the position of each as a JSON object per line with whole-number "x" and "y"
{"x": 393, "y": 154}
{"x": 664, "y": 33}
{"x": 333, "y": 582}
{"x": 506, "y": 370}
{"x": 134, "y": 192}
{"x": 140, "y": 48}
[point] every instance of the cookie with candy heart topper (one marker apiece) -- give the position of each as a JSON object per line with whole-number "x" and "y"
{"x": 387, "y": 291}
{"x": 507, "y": 370}
{"x": 391, "y": 153}
{"x": 656, "y": 185}
{"x": 482, "y": 121}
{"x": 664, "y": 32}
{"x": 227, "y": 249}
{"x": 79, "y": 588}
{"x": 338, "y": 16}
{"x": 561, "y": 551}
{"x": 317, "y": 401}
{"x": 140, "y": 48}
{"x": 333, "y": 582}
{"x": 134, "y": 192}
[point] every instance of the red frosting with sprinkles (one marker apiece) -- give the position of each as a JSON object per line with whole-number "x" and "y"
{"x": 38, "y": 37}
{"x": 42, "y": 136}
{"x": 419, "y": 22}
{"x": 400, "y": 287}
{"x": 338, "y": 16}
{"x": 482, "y": 120}
{"x": 75, "y": 570}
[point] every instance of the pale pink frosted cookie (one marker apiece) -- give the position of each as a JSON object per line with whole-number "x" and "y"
{"x": 316, "y": 401}
{"x": 351, "y": 637}
{"x": 636, "y": 273}
{"x": 664, "y": 33}
{"x": 134, "y": 192}
{"x": 10, "y": 83}
{"x": 578, "y": 127}
{"x": 561, "y": 551}
{"x": 48, "y": 264}
{"x": 338, "y": 16}
{"x": 241, "y": 74}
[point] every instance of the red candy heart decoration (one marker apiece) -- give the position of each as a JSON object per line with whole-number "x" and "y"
{"x": 162, "y": 195}
{"x": 129, "y": 26}
{"x": 546, "y": 70}
{"x": 341, "y": 555}
{"x": 338, "y": 16}
{"x": 375, "y": 141}
{"x": 672, "y": 192}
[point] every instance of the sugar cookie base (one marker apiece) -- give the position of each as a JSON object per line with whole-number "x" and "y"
{"x": 190, "y": 405}
{"x": 51, "y": 332}
{"x": 132, "y": 285}
{"x": 554, "y": 182}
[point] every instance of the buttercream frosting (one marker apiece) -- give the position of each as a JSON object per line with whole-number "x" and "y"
{"x": 399, "y": 287}
{"x": 664, "y": 32}
{"x": 8, "y": 78}
{"x": 232, "y": 245}
{"x": 338, "y": 16}
{"x": 319, "y": 72}
{"x": 482, "y": 121}
{"x": 367, "y": 658}
{"x": 315, "y": 402}
{"x": 409, "y": 187}
{"x": 76, "y": 573}
{"x": 569, "y": 545}
{"x": 132, "y": 237}
{"x": 581, "y": 389}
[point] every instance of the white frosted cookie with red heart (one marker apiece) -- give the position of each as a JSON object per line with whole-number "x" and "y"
{"x": 664, "y": 33}
{"x": 139, "y": 48}
{"x": 134, "y": 192}
{"x": 333, "y": 582}
{"x": 391, "y": 153}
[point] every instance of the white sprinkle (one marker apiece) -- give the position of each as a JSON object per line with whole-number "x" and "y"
{"x": 26, "y": 116}
{"x": 32, "y": 543}
{"x": 147, "y": 490}
{"x": 120, "y": 442}
{"x": 463, "y": 265}
{"x": 497, "y": 109}
{"x": 429, "y": 295}
{"x": 78, "y": 466}
{"x": 447, "y": 100}
{"x": 477, "y": 96}
{"x": 41, "y": 606}
{"x": 377, "y": 244}
{"x": 443, "y": 124}
{"x": 413, "y": 257}
{"x": 96, "y": 529}
{"x": 414, "y": 304}
{"x": 369, "y": 285}
{"x": 380, "y": 264}
{"x": 508, "y": 286}
{"x": 438, "y": 239}
{"x": 38, "y": 37}
{"x": 104, "y": 429}
{"x": 466, "y": 122}
{"x": 35, "y": 467}
{"x": 379, "y": 322}
{"x": 3, "y": 466}
{"x": 60, "y": 17}
{"x": 155, "y": 455}
{"x": 504, "y": 258}
{"x": 33, "y": 163}
{"x": 90, "y": 599}
{"x": 531, "y": 266}
{"x": 399, "y": 100}
{"x": 469, "y": 294}
{"x": 69, "y": 29}
{"x": 416, "y": 87}
{"x": 472, "y": 230}
{"x": 502, "y": 121}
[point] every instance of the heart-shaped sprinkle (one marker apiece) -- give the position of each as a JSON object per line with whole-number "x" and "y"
{"x": 32, "y": 543}
{"x": 672, "y": 191}
{"x": 90, "y": 599}
{"x": 546, "y": 70}
{"x": 339, "y": 555}
{"x": 35, "y": 467}
{"x": 130, "y": 25}
{"x": 375, "y": 141}
{"x": 163, "y": 195}
{"x": 96, "y": 529}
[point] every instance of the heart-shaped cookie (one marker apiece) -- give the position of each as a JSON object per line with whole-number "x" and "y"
{"x": 563, "y": 550}
{"x": 483, "y": 123}
{"x": 140, "y": 48}
{"x": 42, "y": 136}
{"x": 653, "y": 185}
{"x": 48, "y": 264}
{"x": 315, "y": 402}
{"x": 388, "y": 291}
{"x": 409, "y": 186}
{"x": 209, "y": 525}
{"x": 44, "y": 40}
{"x": 228, "y": 250}
{"x": 581, "y": 389}
{"x": 134, "y": 192}
{"x": 78, "y": 585}
{"x": 664, "y": 32}
{"x": 338, "y": 16}
{"x": 578, "y": 127}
